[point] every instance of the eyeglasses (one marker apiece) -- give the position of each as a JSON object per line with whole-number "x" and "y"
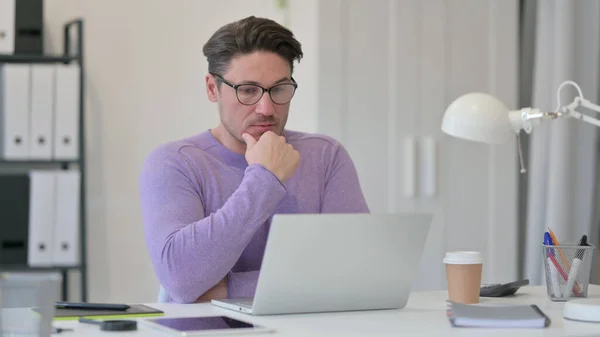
{"x": 249, "y": 94}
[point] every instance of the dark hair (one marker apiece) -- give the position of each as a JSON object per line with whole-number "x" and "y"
{"x": 249, "y": 35}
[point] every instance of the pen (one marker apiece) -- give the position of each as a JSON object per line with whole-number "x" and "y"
{"x": 583, "y": 241}
{"x": 564, "y": 259}
{"x": 554, "y": 278}
{"x": 576, "y": 264}
{"x": 549, "y": 242}
{"x": 553, "y": 270}
{"x": 562, "y": 256}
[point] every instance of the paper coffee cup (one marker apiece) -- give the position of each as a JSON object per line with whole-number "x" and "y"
{"x": 463, "y": 274}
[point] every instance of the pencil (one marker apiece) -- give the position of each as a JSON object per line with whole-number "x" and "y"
{"x": 562, "y": 256}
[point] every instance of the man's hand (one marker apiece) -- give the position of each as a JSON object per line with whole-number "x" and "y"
{"x": 272, "y": 152}
{"x": 218, "y": 292}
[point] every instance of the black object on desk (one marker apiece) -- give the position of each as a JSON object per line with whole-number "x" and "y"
{"x": 116, "y": 325}
{"x": 91, "y": 306}
{"x": 501, "y": 290}
{"x": 60, "y": 330}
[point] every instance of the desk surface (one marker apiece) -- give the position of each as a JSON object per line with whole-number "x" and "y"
{"x": 424, "y": 315}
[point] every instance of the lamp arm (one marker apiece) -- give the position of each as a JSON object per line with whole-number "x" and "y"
{"x": 578, "y": 115}
{"x": 524, "y": 119}
{"x": 570, "y": 111}
{"x": 587, "y": 104}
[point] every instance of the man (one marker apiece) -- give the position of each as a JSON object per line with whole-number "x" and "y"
{"x": 207, "y": 200}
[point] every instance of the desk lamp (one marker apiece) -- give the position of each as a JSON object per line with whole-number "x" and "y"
{"x": 483, "y": 118}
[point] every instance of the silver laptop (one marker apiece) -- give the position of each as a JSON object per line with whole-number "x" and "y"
{"x": 337, "y": 262}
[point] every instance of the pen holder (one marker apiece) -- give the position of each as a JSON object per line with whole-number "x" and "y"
{"x": 568, "y": 270}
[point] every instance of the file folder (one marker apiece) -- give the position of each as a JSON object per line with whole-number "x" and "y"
{"x": 29, "y": 27}
{"x": 66, "y": 223}
{"x": 66, "y": 119}
{"x": 14, "y": 111}
{"x": 41, "y": 218}
{"x": 7, "y": 26}
{"x": 42, "y": 111}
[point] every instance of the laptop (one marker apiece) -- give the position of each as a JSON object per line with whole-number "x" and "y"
{"x": 337, "y": 262}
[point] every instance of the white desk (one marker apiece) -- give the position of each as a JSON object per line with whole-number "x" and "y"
{"x": 423, "y": 316}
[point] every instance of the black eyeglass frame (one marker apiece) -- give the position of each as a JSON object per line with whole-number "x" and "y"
{"x": 236, "y": 86}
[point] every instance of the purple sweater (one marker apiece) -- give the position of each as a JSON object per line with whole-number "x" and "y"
{"x": 207, "y": 214}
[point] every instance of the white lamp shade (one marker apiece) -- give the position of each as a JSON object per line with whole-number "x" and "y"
{"x": 478, "y": 117}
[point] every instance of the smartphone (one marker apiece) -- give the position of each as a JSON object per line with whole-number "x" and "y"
{"x": 202, "y": 326}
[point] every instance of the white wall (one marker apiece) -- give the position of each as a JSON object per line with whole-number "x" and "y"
{"x": 145, "y": 86}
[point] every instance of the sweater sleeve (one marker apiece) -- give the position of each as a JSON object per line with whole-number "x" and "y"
{"x": 343, "y": 193}
{"x": 191, "y": 253}
{"x": 242, "y": 284}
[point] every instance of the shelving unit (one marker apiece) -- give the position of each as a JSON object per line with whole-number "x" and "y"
{"x": 26, "y": 58}
{"x": 71, "y": 54}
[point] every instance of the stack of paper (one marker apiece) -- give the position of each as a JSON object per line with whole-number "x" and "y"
{"x": 519, "y": 316}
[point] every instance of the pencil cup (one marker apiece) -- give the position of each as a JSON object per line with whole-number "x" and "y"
{"x": 568, "y": 270}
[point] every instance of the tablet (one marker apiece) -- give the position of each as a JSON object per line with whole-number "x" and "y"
{"x": 202, "y": 326}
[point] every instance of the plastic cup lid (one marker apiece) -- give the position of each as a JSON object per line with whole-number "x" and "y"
{"x": 464, "y": 257}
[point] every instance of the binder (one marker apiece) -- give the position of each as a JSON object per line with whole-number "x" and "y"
{"x": 66, "y": 119}
{"x": 42, "y": 111}
{"x": 14, "y": 206}
{"x": 29, "y": 27}
{"x": 66, "y": 223}
{"x": 7, "y": 26}
{"x": 14, "y": 111}
{"x": 41, "y": 218}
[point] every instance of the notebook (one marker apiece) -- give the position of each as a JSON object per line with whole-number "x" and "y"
{"x": 514, "y": 316}
{"x": 134, "y": 311}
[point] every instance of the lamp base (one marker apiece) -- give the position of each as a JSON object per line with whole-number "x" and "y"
{"x": 585, "y": 310}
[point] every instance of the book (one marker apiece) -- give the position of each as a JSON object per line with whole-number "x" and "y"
{"x": 512, "y": 316}
{"x": 134, "y": 311}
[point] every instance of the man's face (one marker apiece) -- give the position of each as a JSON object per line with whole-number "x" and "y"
{"x": 265, "y": 69}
